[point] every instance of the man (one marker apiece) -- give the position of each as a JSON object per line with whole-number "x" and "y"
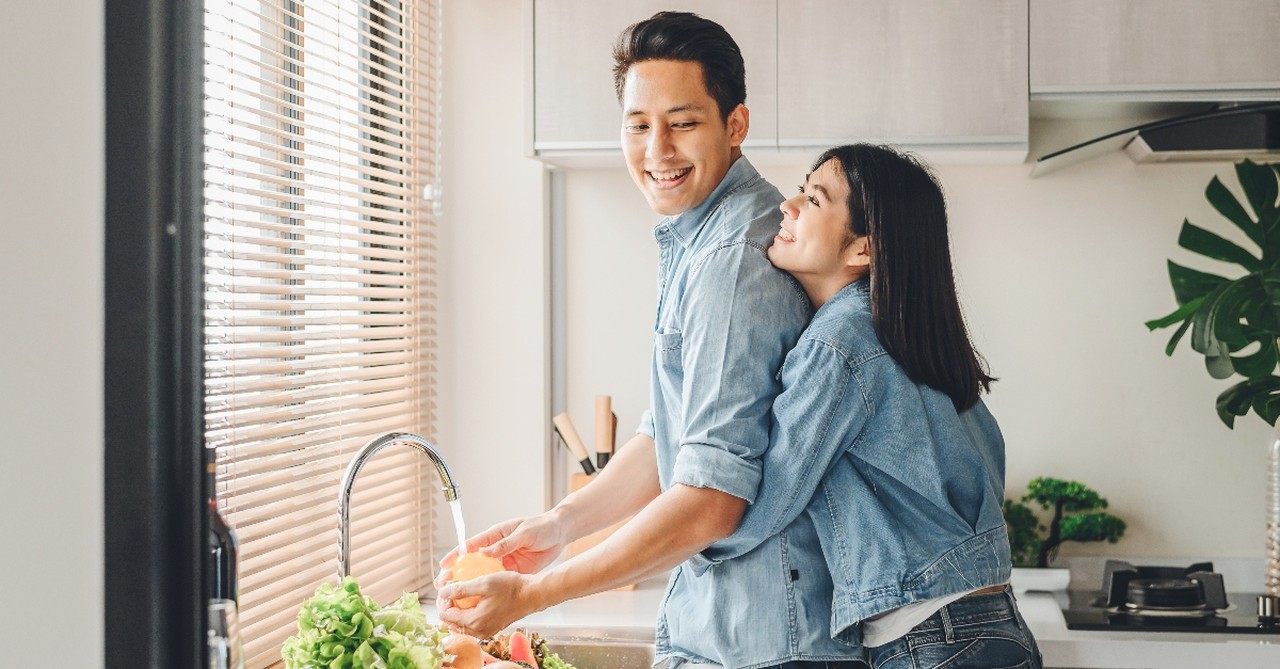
{"x": 726, "y": 319}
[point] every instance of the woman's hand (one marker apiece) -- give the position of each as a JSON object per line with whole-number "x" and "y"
{"x": 505, "y": 597}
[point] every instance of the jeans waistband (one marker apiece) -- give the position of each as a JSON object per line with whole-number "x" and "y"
{"x": 976, "y": 608}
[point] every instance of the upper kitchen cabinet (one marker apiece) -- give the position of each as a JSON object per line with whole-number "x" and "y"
{"x": 1174, "y": 50}
{"x": 943, "y": 74}
{"x": 575, "y": 111}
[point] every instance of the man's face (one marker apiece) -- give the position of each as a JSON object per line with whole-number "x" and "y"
{"x": 677, "y": 147}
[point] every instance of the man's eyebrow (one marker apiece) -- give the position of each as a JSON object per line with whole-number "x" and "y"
{"x": 674, "y": 110}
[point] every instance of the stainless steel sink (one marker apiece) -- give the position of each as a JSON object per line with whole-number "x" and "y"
{"x": 602, "y": 648}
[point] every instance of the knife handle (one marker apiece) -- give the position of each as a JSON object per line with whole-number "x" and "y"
{"x": 604, "y": 429}
{"x": 564, "y": 427}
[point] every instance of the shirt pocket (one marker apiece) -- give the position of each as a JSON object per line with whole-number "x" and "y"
{"x": 668, "y": 353}
{"x": 669, "y": 349}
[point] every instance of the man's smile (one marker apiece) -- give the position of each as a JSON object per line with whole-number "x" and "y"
{"x": 668, "y": 178}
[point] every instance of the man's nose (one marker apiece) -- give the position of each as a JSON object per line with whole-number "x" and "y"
{"x": 660, "y": 146}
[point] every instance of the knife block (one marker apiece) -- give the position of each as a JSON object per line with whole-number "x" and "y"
{"x": 576, "y": 481}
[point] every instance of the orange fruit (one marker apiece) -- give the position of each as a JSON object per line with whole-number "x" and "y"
{"x": 470, "y": 566}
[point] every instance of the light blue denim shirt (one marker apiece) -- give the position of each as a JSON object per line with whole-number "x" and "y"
{"x": 904, "y": 492}
{"x": 726, "y": 319}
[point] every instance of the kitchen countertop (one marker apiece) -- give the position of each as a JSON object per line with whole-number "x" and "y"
{"x": 1061, "y": 647}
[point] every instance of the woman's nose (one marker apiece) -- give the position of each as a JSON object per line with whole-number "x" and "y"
{"x": 788, "y": 209}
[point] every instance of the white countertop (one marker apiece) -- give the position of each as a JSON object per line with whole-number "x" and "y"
{"x": 627, "y": 611}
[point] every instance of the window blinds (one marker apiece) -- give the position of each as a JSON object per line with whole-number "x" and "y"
{"x": 320, "y": 158}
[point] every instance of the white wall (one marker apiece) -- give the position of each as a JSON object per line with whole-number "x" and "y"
{"x": 493, "y": 407}
{"x": 51, "y": 246}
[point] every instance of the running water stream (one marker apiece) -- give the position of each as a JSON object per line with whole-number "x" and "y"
{"x": 459, "y": 526}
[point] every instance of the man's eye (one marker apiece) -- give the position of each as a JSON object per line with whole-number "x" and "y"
{"x": 684, "y": 124}
{"x": 635, "y": 127}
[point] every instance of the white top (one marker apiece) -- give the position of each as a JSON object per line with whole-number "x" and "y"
{"x": 894, "y": 623}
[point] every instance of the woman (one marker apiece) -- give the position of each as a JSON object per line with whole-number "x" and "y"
{"x": 880, "y": 435}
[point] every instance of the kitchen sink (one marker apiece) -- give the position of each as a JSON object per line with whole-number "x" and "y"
{"x": 602, "y": 648}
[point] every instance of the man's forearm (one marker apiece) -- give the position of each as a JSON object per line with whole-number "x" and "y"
{"x": 672, "y": 528}
{"x": 620, "y": 490}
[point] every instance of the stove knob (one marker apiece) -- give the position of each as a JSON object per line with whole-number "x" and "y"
{"x": 1268, "y": 609}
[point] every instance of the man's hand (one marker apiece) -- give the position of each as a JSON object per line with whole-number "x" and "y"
{"x": 525, "y": 545}
{"x": 504, "y": 598}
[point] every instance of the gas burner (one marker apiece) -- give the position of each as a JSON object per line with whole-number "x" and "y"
{"x": 1195, "y": 591}
{"x": 1168, "y": 599}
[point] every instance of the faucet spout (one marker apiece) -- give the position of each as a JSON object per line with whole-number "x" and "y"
{"x": 367, "y": 451}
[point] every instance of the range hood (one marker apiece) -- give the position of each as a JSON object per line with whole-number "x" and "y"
{"x": 1220, "y": 133}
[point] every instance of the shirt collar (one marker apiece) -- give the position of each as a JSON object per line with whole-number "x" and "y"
{"x": 858, "y": 290}
{"x": 685, "y": 226}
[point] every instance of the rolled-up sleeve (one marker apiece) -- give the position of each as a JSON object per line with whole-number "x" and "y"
{"x": 741, "y": 317}
{"x": 646, "y": 424}
{"x": 817, "y": 417}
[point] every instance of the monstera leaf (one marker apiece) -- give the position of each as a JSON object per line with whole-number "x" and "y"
{"x": 1234, "y": 323}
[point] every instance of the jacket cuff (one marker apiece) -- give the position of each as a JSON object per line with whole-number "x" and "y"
{"x": 703, "y": 466}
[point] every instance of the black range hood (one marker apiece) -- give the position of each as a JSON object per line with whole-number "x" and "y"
{"x": 1220, "y": 133}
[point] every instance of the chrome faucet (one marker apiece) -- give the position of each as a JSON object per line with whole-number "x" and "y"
{"x": 349, "y": 479}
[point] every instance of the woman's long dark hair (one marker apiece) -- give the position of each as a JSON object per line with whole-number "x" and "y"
{"x": 895, "y": 199}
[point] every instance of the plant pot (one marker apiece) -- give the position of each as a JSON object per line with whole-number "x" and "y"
{"x": 1051, "y": 579}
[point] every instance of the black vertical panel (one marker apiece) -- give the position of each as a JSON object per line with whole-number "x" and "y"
{"x": 154, "y": 518}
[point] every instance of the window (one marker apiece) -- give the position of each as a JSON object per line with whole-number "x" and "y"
{"x": 320, "y": 159}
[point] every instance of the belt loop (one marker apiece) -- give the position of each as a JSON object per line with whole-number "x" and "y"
{"x": 947, "y": 629}
{"x": 1013, "y": 606}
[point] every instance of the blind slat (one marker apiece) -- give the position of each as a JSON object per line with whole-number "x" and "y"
{"x": 248, "y": 261}
{"x": 224, "y": 369}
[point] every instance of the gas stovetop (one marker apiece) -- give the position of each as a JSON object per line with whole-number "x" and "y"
{"x": 1166, "y": 599}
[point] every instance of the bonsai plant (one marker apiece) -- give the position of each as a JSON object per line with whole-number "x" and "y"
{"x": 1085, "y": 522}
{"x": 1227, "y": 316}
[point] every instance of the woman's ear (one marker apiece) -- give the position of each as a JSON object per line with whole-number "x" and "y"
{"x": 857, "y": 255}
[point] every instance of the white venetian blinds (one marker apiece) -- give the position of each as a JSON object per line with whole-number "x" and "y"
{"x": 320, "y": 159}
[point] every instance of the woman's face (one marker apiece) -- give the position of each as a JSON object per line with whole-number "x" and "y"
{"x": 815, "y": 240}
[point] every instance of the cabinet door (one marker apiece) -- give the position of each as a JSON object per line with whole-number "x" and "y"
{"x": 943, "y": 72}
{"x": 1154, "y": 45}
{"x": 574, "y": 103}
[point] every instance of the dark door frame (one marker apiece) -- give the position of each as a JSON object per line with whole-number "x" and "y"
{"x": 154, "y": 456}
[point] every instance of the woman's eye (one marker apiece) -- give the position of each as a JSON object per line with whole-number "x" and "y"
{"x": 813, "y": 200}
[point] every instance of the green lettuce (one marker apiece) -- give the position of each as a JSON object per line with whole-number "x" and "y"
{"x": 553, "y": 661}
{"x": 338, "y": 628}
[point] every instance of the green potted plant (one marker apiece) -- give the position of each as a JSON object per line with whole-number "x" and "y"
{"x": 1235, "y": 322}
{"x": 1077, "y": 516}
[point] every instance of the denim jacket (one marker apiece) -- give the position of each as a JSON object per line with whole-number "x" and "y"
{"x": 726, "y": 319}
{"x": 904, "y": 492}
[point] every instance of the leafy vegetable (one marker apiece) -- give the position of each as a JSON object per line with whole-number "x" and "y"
{"x": 553, "y": 661}
{"x": 338, "y": 628}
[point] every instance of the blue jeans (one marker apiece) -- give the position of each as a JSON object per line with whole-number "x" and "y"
{"x": 820, "y": 665}
{"x": 979, "y": 632}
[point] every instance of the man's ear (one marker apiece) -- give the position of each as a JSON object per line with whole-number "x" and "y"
{"x": 739, "y": 122}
